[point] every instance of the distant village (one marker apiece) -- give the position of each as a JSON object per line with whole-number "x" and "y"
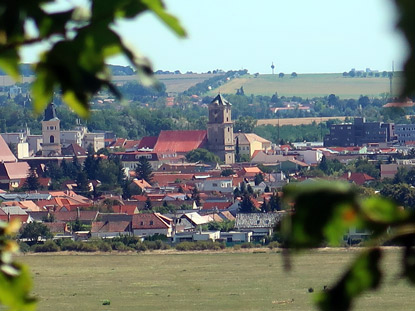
{"x": 181, "y": 199}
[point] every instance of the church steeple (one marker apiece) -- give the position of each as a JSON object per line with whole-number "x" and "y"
{"x": 50, "y": 112}
{"x": 220, "y": 129}
{"x": 51, "y": 132}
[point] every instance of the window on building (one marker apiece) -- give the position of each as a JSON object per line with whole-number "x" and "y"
{"x": 141, "y": 223}
{"x": 52, "y": 139}
{"x": 151, "y": 222}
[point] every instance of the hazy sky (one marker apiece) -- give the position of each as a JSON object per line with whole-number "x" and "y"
{"x": 297, "y": 35}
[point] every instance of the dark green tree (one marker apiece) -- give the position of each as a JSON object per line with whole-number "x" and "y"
{"x": 35, "y": 231}
{"x": 265, "y": 207}
{"x": 237, "y": 150}
{"x": 144, "y": 170}
{"x": 32, "y": 180}
{"x": 227, "y": 172}
{"x": 202, "y": 155}
{"x": 196, "y": 196}
{"x": 274, "y": 203}
{"x": 246, "y": 205}
{"x": 148, "y": 205}
{"x": 259, "y": 178}
{"x": 245, "y": 124}
{"x": 82, "y": 183}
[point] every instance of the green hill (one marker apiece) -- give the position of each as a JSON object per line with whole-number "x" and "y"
{"x": 311, "y": 85}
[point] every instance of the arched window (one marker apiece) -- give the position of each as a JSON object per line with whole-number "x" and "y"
{"x": 52, "y": 139}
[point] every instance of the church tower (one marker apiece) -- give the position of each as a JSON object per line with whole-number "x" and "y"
{"x": 51, "y": 132}
{"x": 220, "y": 130}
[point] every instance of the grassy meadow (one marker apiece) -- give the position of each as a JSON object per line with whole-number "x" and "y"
{"x": 311, "y": 85}
{"x": 201, "y": 281}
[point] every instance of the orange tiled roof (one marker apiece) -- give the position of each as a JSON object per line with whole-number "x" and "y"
{"x": 150, "y": 221}
{"x": 5, "y": 154}
{"x": 125, "y": 209}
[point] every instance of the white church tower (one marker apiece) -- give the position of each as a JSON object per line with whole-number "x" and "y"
{"x": 51, "y": 145}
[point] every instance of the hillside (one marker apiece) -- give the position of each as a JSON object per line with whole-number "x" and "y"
{"x": 175, "y": 83}
{"x": 311, "y": 85}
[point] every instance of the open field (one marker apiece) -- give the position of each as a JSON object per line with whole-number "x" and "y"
{"x": 174, "y": 83}
{"x": 296, "y": 121}
{"x": 201, "y": 281}
{"x": 311, "y": 85}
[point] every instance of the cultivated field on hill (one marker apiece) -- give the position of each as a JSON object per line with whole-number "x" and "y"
{"x": 311, "y": 85}
{"x": 201, "y": 281}
{"x": 296, "y": 121}
{"x": 174, "y": 83}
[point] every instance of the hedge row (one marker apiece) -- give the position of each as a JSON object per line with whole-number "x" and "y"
{"x": 125, "y": 244}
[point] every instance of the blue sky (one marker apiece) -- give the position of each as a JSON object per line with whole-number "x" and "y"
{"x": 297, "y": 35}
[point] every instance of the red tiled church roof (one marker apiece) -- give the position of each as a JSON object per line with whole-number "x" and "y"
{"x": 147, "y": 142}
{"x": 180, "y": 141}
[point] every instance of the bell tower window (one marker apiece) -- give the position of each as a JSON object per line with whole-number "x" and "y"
{"x": 52, "y": 139}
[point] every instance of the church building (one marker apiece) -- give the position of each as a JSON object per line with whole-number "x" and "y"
{"x": 220, "y": 130}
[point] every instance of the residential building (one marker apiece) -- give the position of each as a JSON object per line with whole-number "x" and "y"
{"x": 359, "y": 133}
{"x": 248, "y": 143}
{"x": 219, "y": 184}
{"x": 148, "y": 224}
{"x": 405, "y": 133}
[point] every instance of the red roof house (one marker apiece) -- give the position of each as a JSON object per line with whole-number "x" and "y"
{"x": 148, "y": 224}
{"x": 357, "y": 178}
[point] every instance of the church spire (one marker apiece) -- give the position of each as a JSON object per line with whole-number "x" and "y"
{"x": 50, "y": 112}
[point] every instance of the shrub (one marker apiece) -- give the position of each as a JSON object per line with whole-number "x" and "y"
{"x": 87, "y": 247}
{"x": 24, "y": 247}
{"x": 184, "y": 246}
{"x": 104, "y": 247}
{"x": 49, "y": 246}
{"x": 141, "y": 247}
{"x": 199, "y": 246}
{"x": 69, "y": 245}
{"x": 247, "y": 245}
{"x": 274, "y": 244}
{"x": 106, "y": 302}
{"x": 237, "y": 247}
{"x": 119, "y": 246}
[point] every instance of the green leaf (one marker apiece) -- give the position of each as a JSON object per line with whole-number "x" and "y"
{"x": 322, "y": 212}
{"x": 14, "y": 290}
{"x": 55, "y": 23}
{"x": 158, "y": 8}
{"x": 406, "y": 23}
{"x": 380, "y": 210}
{"x": 42, "y": 88}
{"x": 364, "y": 274}
{"x": 76, "y": 104}
{"x": 9, "y": 62}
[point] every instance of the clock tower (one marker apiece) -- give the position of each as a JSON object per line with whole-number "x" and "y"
{"x": 51, "y": 132}
{"x": 220, "y": 130}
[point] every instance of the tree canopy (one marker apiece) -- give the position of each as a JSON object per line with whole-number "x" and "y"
{"x": 85, "y": 40}
{"x": 202, "y": 155}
